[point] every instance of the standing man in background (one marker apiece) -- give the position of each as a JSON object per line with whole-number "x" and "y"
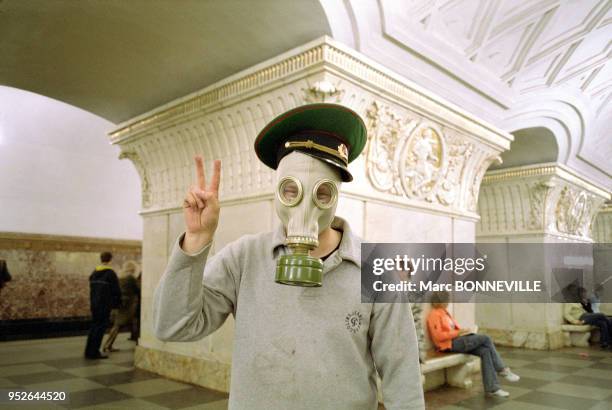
{"x": 105, "y": 295}
{"x": 5, "y": 275}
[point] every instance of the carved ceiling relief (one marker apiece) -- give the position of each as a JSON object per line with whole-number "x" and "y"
{"x": 538, "y": 194}
{"x": 144, "y": 179}
{"x": 529, "y": 45}
{"x": 413, "y": 158}
{"x": 323, "y": 91}
{"x": 478, "y": 176}
{"x": 574, "y": 212}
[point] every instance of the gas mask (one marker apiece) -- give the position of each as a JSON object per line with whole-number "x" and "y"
{"x": 306, "y": 199}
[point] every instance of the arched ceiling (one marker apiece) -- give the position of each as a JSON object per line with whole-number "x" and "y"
{"x": 518, "y": 64}
{"x": 118, "y": 59}
{"x": 524, "y": 64}
{"x": 530, "y": 146}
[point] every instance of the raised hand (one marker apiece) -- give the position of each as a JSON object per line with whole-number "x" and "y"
{"x": 201, "y": 208}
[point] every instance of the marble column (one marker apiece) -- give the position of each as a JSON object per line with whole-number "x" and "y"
{"x": 602, "y": 234}
{"x": 416, "y": 181}
{"x": 541, "y": 203}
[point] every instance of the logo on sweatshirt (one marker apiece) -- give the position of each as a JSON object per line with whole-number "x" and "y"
{"x": 353, "y": 321}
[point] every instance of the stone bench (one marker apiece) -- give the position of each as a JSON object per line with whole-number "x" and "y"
{"x": 457, "y": 368}
{"x": 576, "y": 335}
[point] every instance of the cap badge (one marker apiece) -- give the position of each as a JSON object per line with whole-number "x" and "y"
{"x": 343, "y": 151}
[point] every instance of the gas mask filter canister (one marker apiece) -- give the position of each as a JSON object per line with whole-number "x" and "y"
{"x": 306, "y": 199}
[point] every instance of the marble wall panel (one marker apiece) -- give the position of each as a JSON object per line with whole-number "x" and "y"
{"x": 387, "y": 223}
{"x": 50, "y": 276}
{"x": 353, "y": 211}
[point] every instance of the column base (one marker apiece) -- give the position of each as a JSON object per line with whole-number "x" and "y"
{"x": 206, "y": 373}
{"x": 527, "y": 339}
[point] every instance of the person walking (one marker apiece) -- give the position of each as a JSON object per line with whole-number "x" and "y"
{"x": 105, "y": 295}
{"x": 129, "y": 299}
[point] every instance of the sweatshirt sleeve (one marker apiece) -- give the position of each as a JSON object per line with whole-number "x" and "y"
{"x": 395, "y": 351}
{"x": 195, "y": 295}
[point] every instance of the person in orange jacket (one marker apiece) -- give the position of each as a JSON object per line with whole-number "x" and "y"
{"x": 447, "y": 336}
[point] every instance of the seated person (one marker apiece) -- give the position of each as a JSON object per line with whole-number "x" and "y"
{"x": 577, "y": 313}
{"x": 447, "y": 336}
{"x": 594, "y": 299}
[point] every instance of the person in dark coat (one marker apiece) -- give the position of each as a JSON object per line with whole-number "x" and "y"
{"x": 5, "y": 275}
{"x": 105, "y": 295}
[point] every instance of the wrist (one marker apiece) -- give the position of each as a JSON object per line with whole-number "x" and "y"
{"x": 195, "y": 242}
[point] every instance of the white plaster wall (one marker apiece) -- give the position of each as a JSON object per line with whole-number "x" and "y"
{"x": 58, "y": 173}
{"x": 160, "y": 234}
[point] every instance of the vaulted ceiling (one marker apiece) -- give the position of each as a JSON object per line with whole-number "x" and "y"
{"x": 120, "y": 58}
{"x": 518, "y": 63}
{"x": 541, "y": 65}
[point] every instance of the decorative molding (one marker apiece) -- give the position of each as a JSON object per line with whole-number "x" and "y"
{"x": 546, "y": 199}
{"x": 411, "y": 157}
{"x": 549, "y": 169}
{"x": 504, "y": 48}
{"x": 324, "y": 55}
{"x": 538, "y": 193}
{"x": 574, "y": 213}
{"x": 42, "y": 242}
{"x": 602, "y": 227}
{"x": 142, "y": 172}
{"x": 221, "y": 121}
{"x": 496, "y": 57}
{"x": 323, "y": 91}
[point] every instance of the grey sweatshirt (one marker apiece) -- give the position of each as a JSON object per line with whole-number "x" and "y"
{"x": 294, "y": 347}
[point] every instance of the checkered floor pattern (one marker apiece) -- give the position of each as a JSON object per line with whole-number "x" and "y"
{"x": 114, "y": 383}
{"x": 570, "y": 378}
{"x": 573, "y": 379}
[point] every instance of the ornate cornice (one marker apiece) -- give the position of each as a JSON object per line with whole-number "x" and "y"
{"x": 544, "y": 198}
{"x": 606, "y": 208}
{"x": 433, "y": 153}
{"x": 602, "y": 227}
{"x": 43, "y": 242}
{"x": 323, "y": 54}
{"x": 543, "y": 170}
{"x": 411, "y": 157}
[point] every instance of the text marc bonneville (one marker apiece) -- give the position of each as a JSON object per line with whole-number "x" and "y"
{"x": 461, "y": 286}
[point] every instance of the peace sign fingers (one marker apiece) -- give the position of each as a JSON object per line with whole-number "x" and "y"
{"x": 216, "y": 178}
{"x": 199, "y": 163}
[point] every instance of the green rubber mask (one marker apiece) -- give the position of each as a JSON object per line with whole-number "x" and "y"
{"x": 306, "y": 199}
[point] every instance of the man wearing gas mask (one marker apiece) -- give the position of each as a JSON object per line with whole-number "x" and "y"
{"x": 312, "y": 345}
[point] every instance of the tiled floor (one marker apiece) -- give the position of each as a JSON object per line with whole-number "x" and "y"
{"x": 564, "y": 379}
{"x": 114, "y": 383}
{"x": 571, "y": 378}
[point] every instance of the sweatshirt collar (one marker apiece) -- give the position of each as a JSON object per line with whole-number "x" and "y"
{"x": 102, "y": 267}
{"x": 350, "y": 245}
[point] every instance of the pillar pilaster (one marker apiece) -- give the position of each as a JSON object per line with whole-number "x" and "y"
{"x": 541, "y": 203}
